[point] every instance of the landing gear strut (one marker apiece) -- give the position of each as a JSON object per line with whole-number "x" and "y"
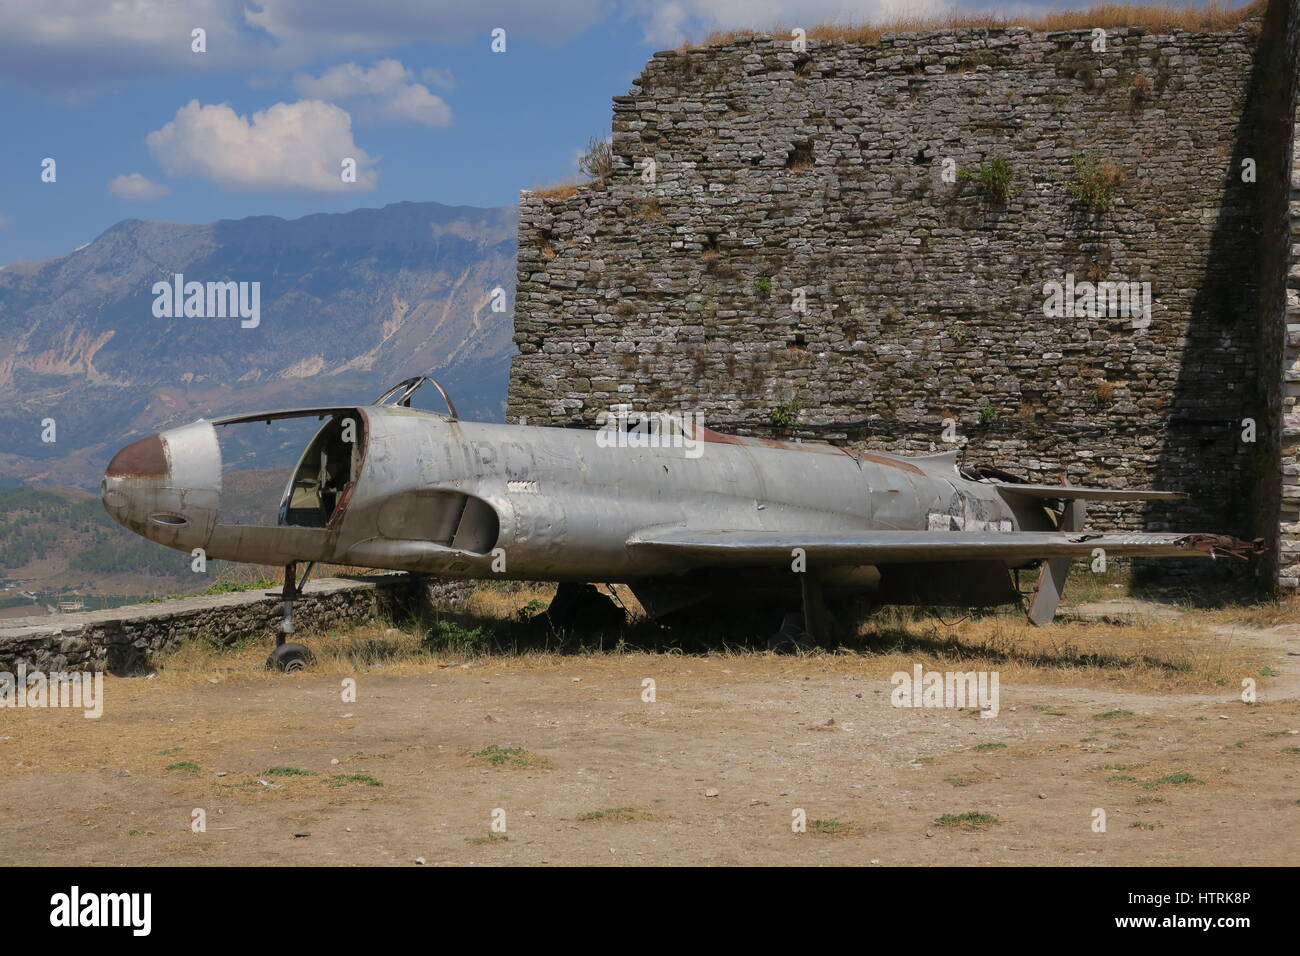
{"x": 583, "y": 606}
{"x": 287, "y": 656}
{"x": 808, "y": 627}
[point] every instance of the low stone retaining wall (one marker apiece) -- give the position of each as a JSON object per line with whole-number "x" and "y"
{"x": 123, "y": 640}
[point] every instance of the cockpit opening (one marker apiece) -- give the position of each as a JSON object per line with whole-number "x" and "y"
{"x": 330, "y": 463}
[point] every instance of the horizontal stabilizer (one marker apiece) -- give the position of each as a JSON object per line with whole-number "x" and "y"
{"x": 1071, "y": 493}
{"x": 760, "y": 548}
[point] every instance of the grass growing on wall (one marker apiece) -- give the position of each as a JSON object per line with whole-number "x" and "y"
{"x": 993, "y": 179}
{"x": 1212, "y": 17}
{"x": 1095, "y": 182}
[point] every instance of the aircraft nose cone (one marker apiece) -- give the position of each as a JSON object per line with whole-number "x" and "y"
{"x": 138, "y": 466}
{"x": 145, "y": 458}
{"x": 166, "y": 486}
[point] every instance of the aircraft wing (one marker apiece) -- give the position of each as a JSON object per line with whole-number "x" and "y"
{"x": 758, "y": 548}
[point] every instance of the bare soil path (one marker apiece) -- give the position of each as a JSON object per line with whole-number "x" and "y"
{"x": 712, "y": 771}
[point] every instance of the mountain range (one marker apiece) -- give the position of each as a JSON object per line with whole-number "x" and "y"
{"x": 350, "y": 303}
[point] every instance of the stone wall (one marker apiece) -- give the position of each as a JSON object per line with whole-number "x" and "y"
{"x": 1281, "y": 254}
{"x": 124, "y": 640}
{"x": 751, "y": 177}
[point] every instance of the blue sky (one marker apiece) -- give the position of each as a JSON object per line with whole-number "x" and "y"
{"x": 140, "y": 126}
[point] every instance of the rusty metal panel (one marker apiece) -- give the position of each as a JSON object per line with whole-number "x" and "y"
{"x": 145, "y": 458}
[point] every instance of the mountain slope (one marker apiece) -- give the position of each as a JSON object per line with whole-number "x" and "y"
{"x": 350, "y": 303}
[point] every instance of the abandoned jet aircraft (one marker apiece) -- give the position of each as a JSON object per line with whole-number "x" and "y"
{"x": 689, "y": 517}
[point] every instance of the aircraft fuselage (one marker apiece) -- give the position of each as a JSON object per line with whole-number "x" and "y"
{"x": 421, "y": 492}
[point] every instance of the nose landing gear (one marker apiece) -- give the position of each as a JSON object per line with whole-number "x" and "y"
{"x": 287, "y": 656}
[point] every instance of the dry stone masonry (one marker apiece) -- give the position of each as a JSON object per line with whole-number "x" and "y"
{"x": 125, "y": 640}
{"x": 813, "y": 243}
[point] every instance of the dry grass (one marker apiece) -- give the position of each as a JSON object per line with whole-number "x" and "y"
{"x": 143, "y": 739}
{"x": 1175, "y": 652}
{"x": 556, "y": 191}
{"x": 618, "y": 815}
{"x": 1212, "y": 17}
{"x": 1140, "y": 654}
{"x": 1085, "y": 586}
{"x": 1264, "y": 615}
{"x": 506, "y": 600}
{"x": 362, "y": 649}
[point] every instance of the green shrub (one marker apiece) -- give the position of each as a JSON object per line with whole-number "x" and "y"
{"x": 993, "y": 179}
{"x": 785, "y": 414}
{"x": 1095, "y": 182}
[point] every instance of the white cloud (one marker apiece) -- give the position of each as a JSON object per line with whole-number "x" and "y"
{"x": 374, "y": 24}
{"x": 137, "y": 186}
{"x": 384, "y": 93}
{"x": 85, "y": 45}
{"x": 296, "y": 147}
{"x": 88, "y": 43}
{"x": 439, "y": 77}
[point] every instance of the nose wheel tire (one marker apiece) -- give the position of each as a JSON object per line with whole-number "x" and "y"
{"x": 290, "y": 658}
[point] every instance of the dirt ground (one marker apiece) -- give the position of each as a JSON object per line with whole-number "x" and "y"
{"x": 581, "y": 769}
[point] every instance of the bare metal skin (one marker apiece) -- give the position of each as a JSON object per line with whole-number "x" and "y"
{"x": 419, "y": 491}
